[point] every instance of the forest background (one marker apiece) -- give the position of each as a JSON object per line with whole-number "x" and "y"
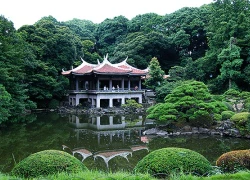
{"x": 209, "y": 44}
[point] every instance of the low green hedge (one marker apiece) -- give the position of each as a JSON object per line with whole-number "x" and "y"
{"x": 234, "y": 160}
{"x": 47, "y": 162}
{"x": 173, "y": 160}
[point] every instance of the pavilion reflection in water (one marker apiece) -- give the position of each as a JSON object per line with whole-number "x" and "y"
{"x": 107, "y": 126}
{"x": 111, "y": 126}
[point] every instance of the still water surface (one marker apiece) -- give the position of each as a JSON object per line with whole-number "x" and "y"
{"x": 105, "y": 143}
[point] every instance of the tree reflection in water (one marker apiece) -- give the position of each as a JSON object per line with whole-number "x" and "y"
{"x": 99, "y": 135}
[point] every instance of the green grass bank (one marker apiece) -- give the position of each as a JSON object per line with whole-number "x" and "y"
{"x": 96, "y": 175}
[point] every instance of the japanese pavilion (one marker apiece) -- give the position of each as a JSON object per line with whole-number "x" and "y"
{"x": 105, "y": 84}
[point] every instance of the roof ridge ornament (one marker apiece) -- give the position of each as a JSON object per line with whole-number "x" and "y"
{"x": 85, "y": 63}
{"x": 106, "y": 61}
{"x": 106, "y": 57}
{"x": 82, "y": 59}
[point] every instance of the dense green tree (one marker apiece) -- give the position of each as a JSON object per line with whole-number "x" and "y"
{"x": 147, "y": 38}
{"x": 177, "y": 73}
{"x": 53, "y": 43}
{"x": 192, "y": 70}
{"x": 84, "y": 29}
{"x": 5, "y": 98}
{"x": 230, "y": 63}
{"x": 89, "y": 54}
{"x": 54, "y": 47}
{"x": 141, "y": 48}
{"x": 181, "y": 40}
{"x": 109, "y": 33}
{"x": 13, "y": 53}
{"x": 190, "y": 103}
{"x": 172, "y": 42}
{"x": 228, "y": 19}
{"x": 166, "y": 88}
{"x": 146, "y": 23}
{"x": 186, "y": 27}
{"x": 44, "y": 82}
{"x": 155, "y": 75}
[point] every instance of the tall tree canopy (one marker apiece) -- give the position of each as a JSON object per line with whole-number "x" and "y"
{"x": 230, "y": 63}
{"x": 141, "y": 48}
{"x": 84, "y": 29}
{"x": 109, "y": 33}
{"x": 54, "y": 46}
{"x": 13, "y": 54}
{"x": 228, "y": 19}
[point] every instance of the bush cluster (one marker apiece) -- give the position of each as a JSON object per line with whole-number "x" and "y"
{"x": 234, "y": 160}
{"x": 241, "y": 121}
{"x": 173, "y": 160}
{"x": 227, "y": 114}
{"x": 47, "y": 162}
{"x": 131, "y": 104}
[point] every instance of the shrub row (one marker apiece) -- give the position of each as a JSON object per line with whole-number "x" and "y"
{"x": 159, "y": 163}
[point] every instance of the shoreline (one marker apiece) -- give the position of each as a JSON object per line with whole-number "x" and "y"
{"x": 223, "y": 128}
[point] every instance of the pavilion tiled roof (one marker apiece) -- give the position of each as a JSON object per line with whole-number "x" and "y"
{"x": 109, "y": 69}
{"x": 106, "y": 68}
{"x": 84, "y": 68}
{"x": 134, "y": 70}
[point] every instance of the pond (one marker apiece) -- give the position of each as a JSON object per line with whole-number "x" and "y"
{"x": 108, "y": 143}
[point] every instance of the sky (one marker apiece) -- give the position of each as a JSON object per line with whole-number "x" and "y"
{"x": 27, "y": 12}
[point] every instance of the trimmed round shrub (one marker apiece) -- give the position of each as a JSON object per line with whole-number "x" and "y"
{"x": 240, "y": 118}
{"x": 173, "y": 160}
{"x": 241, "y": 122}
{"x": 234, "y": 160}
{"x": 47, "y": 162}
{"x": 227, "y": 114}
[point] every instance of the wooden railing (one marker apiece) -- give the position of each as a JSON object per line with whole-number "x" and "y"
{"x": 108, "y": 91}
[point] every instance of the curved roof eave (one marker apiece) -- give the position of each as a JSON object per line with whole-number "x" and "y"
{"x": 88, "y": 73}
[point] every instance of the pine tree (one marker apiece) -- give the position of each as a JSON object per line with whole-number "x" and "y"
{"x": 156, "y": 74}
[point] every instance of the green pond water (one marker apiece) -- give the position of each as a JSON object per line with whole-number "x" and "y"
{"x": 107, "y": 143}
